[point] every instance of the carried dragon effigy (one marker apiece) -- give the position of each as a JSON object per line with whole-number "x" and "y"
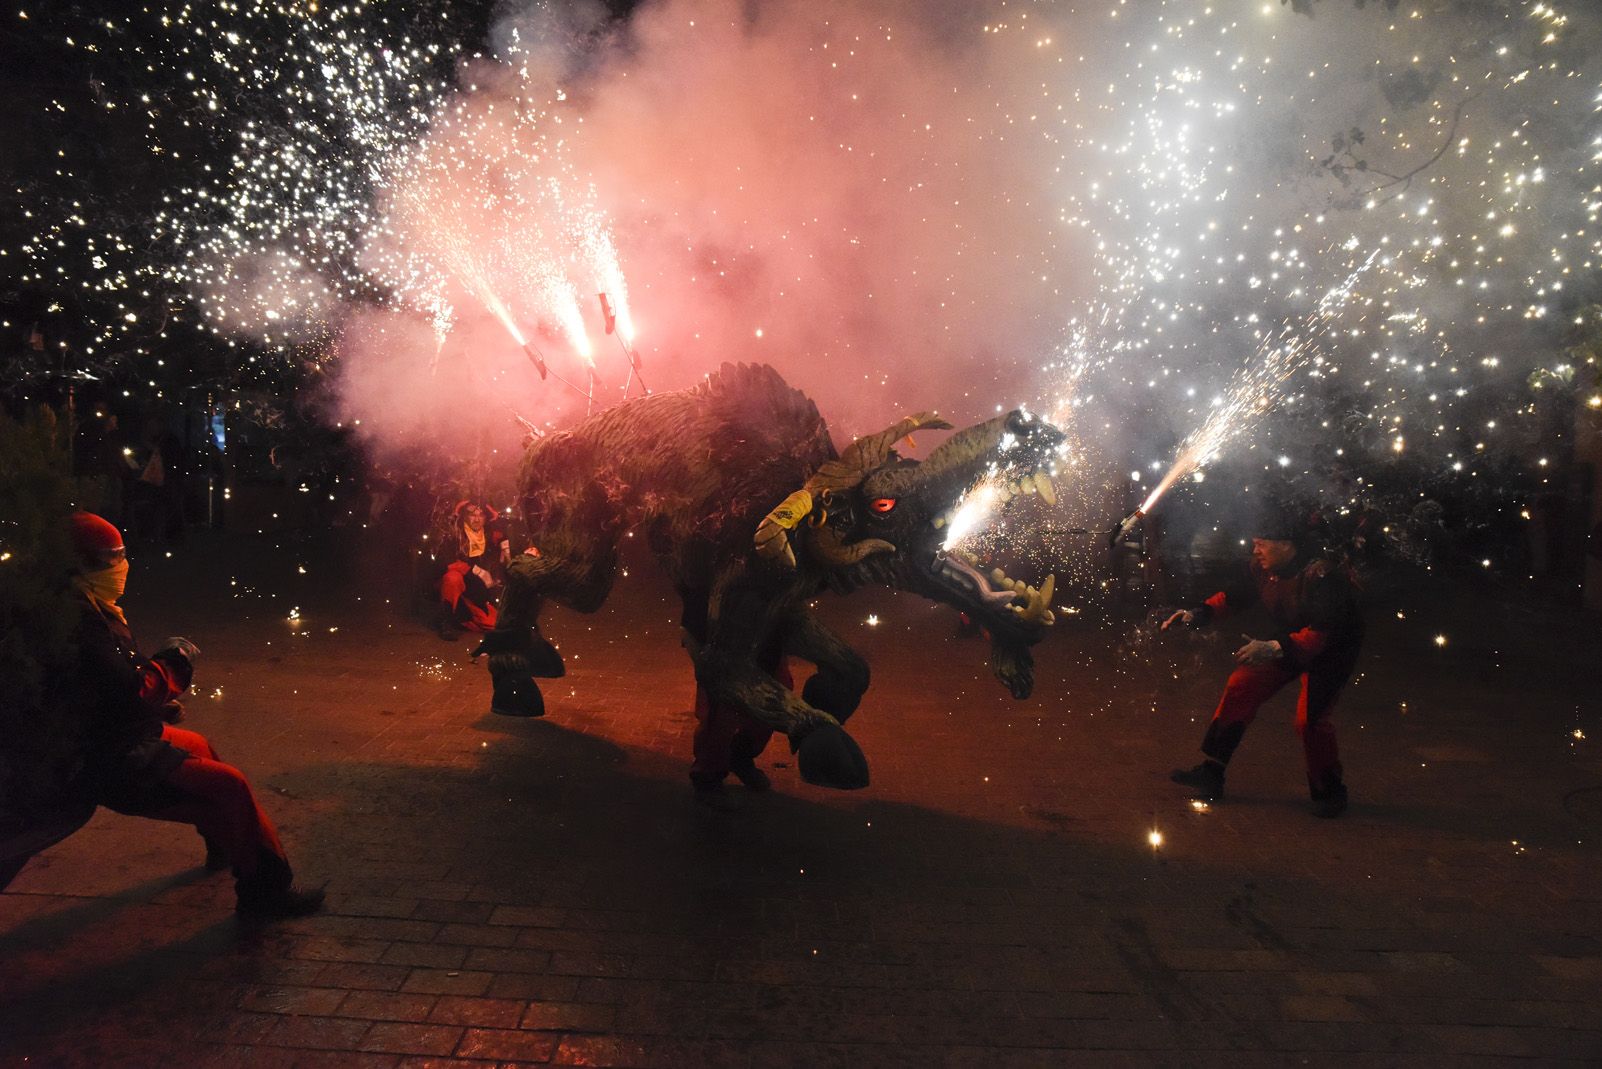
{"x": 742, "y": 497}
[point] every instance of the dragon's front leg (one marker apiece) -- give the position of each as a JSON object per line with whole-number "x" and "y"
{"x": 728, "y": 669}
{"x": 826, "y": 755}
{"x": 842, "y": 676}
{"x": 517, "y": 651}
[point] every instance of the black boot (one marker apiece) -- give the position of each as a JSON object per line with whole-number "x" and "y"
{"x": 285, "y": 902}
{"x": 742, "y": 762}
{"x": 269, "y": 893}
{"x": 446, "y": 625}
{"x": 717, "y": 797}
{"x": 1206, "y": 780}
{"x": 216, "y": 857}
{"x": 1330, "y": 802}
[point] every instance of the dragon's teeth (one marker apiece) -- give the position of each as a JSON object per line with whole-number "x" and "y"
{"x": 939, "y": 522}
{"x": 1048, "y": 493}
{"x": 998, "y": 576}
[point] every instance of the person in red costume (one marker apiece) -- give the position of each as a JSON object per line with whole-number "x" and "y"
{"x": 727, "y": 740}
{"x": 138, "y": 762}
{"x": 471, "y": 581}
{"x": 1313, "y": 603}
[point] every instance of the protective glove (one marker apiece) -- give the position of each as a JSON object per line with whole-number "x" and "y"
{"x": 179, "y": 655}
{"x": 1183, "y": 617}
{"x": 190, "y": 651}
{"x": 484, "y": 576}
{"x": 1258, "y": 651}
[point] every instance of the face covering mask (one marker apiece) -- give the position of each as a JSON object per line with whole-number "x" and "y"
{"x": 107, "y": 584}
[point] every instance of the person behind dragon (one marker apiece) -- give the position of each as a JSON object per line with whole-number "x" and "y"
{"x": 475, "y": 543}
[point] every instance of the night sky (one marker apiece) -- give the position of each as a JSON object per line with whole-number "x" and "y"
{"x": 1341, "y": 252}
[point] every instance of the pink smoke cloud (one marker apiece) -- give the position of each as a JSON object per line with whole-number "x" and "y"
{"x": 833, "y": 188}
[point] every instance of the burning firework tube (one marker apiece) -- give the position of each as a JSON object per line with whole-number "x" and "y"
{"x": 539, "y": 361}
{"x": 1124, "y": 526}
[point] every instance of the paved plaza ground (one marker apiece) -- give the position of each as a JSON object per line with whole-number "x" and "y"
{"x": 507, "y": 892}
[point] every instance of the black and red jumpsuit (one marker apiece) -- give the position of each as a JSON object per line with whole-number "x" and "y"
{"x": 138, "y": 764}
{"x": 1320, "y": 632}
{"x": 467, "y": 589}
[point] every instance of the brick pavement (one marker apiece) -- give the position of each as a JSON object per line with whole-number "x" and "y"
{"x": 514, "y": 892}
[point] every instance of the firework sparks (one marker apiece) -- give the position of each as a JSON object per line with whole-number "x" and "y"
{"x": 1182, "y": 183}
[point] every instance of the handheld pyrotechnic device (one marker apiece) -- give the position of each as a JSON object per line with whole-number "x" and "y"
{"x": 1122, "y": 528}
{"x": 1255, "y": 389}
{"x": 534, "y": 356}
{"x": 623, "y": 334}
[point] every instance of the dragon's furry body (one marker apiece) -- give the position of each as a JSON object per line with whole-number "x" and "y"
{"x": 710, "y": 477}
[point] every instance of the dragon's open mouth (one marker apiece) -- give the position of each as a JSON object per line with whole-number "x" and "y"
{"x": 995, "y": 591}
{"x": 1030, "y": 482}
{"x": 998, "y": 592}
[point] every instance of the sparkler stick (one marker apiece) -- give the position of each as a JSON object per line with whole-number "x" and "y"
{"x": 538, "y": 360}
{"x": 634, "y": 368}
{"x": 533, "y": 431}
{"x": 609, "y": 316}
{"x": 544, "y": 370}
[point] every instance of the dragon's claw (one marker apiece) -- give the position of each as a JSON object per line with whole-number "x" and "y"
{"x": 517, "y": 696}
{"x": 828, "y": 757}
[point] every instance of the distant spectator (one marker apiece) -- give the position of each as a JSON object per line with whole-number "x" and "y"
{"x": 154, "y": 497}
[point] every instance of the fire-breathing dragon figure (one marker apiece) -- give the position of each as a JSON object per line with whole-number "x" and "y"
{"x": 741, "y": 496}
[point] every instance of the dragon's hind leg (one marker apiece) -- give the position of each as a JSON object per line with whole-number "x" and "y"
{"x": 518, "y": 653}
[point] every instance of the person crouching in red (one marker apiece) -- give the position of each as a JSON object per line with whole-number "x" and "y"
{"x": 468, "y": 587}
{"x": 1313, "y": 603}
{"x": 138, "y": 763}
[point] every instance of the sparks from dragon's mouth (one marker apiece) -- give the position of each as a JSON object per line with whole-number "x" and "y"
{"x": 977, "y": 507}
{"x": 971, "y": 514}
{"x": 974, "y": 514}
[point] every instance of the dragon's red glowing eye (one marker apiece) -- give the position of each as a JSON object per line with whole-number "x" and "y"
{"x": 881, "y": 505}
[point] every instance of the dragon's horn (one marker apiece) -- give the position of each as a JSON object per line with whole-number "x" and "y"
{"x": 828, "y": 547}
{"x": 870, "y": 451}
{"x": 773, "y": 533}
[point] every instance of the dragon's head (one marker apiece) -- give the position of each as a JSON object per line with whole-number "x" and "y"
{"x": 873, "y": 517}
